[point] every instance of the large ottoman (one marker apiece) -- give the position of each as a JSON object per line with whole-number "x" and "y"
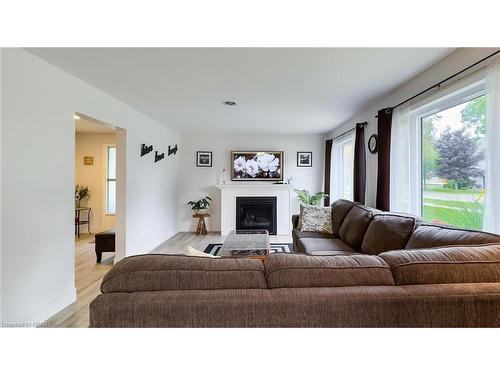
{"x": 104, "y": 243}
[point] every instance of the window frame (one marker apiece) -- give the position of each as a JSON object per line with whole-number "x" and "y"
{"x": 336, "y": 173}
{"x": 107, "y": 180}
{"x": 464, "y": 91}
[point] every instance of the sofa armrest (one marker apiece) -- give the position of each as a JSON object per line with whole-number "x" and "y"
{"x": 295, "y": 221}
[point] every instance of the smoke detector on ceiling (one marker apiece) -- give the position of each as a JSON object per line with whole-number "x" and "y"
{"x": 228, "y": 102}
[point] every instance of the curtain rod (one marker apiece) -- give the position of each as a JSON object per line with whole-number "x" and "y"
{"x": 350, "y": 130}
{"x": 445, "y": 80}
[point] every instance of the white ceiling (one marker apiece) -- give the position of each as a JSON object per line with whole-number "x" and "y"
{"x": 278, "y": 90}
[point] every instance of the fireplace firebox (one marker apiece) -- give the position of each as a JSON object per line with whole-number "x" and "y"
{"x": 256, "y": 213}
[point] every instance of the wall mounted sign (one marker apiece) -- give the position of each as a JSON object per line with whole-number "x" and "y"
{"x": 158, "y": 156}
{"x": 145, "y": 149}
{"x": 172, "y": 150}
{"x": 88, "y": 160}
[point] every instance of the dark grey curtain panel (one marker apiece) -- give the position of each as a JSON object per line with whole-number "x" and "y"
{"x": 384, "y": 159}
{"x": 328, "y": 165}
{"x": 359, "y": 165}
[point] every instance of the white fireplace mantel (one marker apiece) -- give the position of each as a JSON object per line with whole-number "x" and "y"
{"x": 229, "y": 192}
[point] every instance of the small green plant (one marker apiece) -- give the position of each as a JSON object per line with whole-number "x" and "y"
{"x": 81, "y": 192}
{"x": 201, "y": 204}
{"x": 305, "y": 197}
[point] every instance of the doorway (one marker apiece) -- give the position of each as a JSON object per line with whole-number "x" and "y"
{"x": 99, "y": 208}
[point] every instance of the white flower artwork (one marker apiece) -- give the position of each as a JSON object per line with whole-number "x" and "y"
{"x": 239, "y": 164}
{"x": 268, "y": 162}
{"x": 252, "y": 168}
{"x": 257, "y": 166}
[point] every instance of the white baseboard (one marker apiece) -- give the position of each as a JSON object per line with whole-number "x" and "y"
{"x": 43, "y": 313}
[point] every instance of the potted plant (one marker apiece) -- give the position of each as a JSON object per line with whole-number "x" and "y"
{"x": 305, "y": 197}
{"x": 200, "y": 207}
{"x": 81, "y": 192}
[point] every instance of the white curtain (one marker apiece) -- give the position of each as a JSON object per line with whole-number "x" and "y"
{"x": 491, "y": 218}
{"x": 341, "y": 169}
{"x": 401, "y": 178}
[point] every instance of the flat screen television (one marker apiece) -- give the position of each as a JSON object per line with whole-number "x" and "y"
{"x": 257, "y": 165}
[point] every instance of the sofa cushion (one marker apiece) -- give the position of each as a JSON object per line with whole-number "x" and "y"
{"x": 478, "y": 264}
{"x": 333, "y": 252}
{"x": 299, "y": 234}
{"x": 387, "y": 232}
{"x": 155, "y": 272}
{"x": 303, "y": 271}
{"x": 340, "y": 209}
{"x": 312, "y": 245}
{"x": 315, "y": 219}
{"x": 431, "y": 235}
{"x": 355, "y": 224}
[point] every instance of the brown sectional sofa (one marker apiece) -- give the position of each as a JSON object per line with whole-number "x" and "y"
{"x": 388, "y": 270}
{"x": 361, "y": 229}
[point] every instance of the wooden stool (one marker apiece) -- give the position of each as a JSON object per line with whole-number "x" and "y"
{"x": 201, "y": 229}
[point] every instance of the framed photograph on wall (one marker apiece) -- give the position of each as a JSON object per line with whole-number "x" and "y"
{"x": 304, "y": 159}
{"x": 203, "y": 158}
{"x": 88, "y": 160}
{"x": 257, "y": 166}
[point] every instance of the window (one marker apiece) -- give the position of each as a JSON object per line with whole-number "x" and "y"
{"x": 453, "y": 163}
{"x": 111, "y": 180}
{"x": 342, "y": 167}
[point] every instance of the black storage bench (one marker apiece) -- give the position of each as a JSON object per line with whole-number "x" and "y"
{"x": 104, "y": 243}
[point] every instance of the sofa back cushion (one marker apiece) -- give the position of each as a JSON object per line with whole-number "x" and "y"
{"x": 340, "y": 209}
{"x": 431, "y": 235}
{"x": 303, "y": 271}
{"x": 355, "y": 224}
{"x": 387, "y": 232}
{"x": 478, "y": 264}
{"x": 155, "y": 272}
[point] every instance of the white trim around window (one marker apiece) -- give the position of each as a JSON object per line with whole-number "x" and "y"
{"x": 406, "y": 142}
{"x": 342, "y": 168}
{"x": 109, "y": 179}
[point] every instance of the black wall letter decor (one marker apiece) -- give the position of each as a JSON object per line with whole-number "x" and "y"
{"x": 158, "y": 156}
{"x": 172, "y": 150}
{"x": 145, "y": 149}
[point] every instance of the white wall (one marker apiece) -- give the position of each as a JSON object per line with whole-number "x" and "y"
{"x": 38, "y": 103}
{"x": 1, "y": 176}
{"x": 196, "y": 182}
{"x": 94, "y": 176}
{"x": 451, "y": 64}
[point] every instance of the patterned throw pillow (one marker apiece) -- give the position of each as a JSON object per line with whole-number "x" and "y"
{"x": 315, "y": 219}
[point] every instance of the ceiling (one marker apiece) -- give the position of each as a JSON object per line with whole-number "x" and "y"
{"x": 88, "y": 125}
{"x": 277, "y": 90}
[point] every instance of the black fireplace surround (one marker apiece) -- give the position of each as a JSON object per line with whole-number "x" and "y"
{"x": 256, "y": 213}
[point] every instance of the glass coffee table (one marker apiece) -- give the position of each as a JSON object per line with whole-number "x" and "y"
{"x": 246, "y": 243}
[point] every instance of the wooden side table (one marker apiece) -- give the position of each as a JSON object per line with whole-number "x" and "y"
{"x": 202, "y": 228}
{"x": 79, "y": 221}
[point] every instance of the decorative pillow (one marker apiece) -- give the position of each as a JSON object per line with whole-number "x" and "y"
{"x": 316, "y": 219}
{"x": 192, "y": 252}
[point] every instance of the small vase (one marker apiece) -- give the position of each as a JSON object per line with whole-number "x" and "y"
{"x": 201, "y": 211}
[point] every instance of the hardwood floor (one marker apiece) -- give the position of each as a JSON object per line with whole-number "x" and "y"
{"x": 89, "y": 274}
